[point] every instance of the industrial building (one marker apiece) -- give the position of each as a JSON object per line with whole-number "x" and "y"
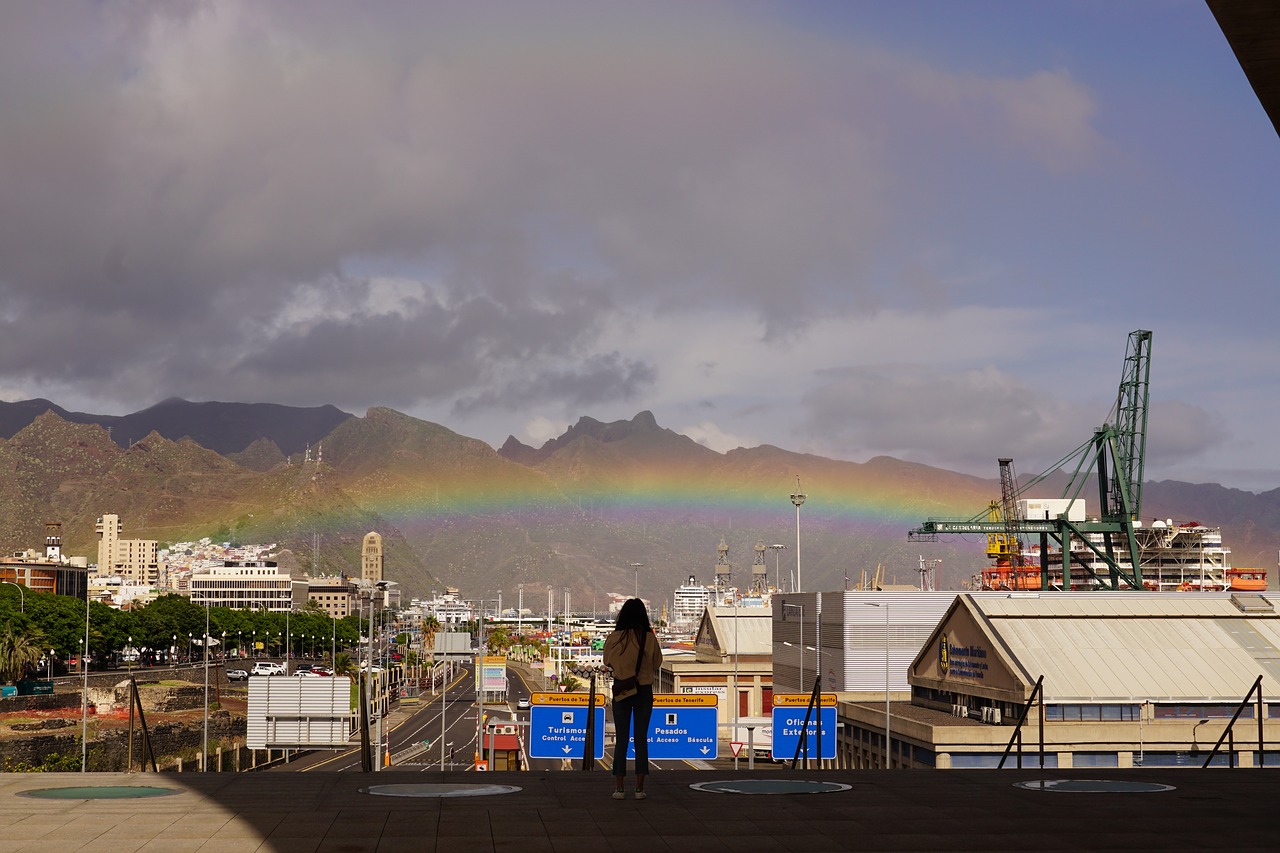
{"x": 1126, "y": 679}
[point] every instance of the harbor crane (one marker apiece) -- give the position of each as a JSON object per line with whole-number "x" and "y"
{"x": 1116, "y": 454}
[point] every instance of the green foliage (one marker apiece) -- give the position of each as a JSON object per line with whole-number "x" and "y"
{"x": 19, "y": 651}
{"x": 498, "y": 639}
{"x": 52, "y": 763}
{"x": 344, "y": 665}
{"x": 170, "y": 619}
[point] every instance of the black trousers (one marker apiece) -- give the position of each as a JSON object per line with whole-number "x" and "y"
{"x": 640, "y": 709}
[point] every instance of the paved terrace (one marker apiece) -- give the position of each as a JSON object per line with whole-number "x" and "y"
{"x": 572, "y": 811}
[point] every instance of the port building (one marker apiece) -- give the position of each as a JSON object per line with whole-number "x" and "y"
{"x": 1126, "y": 679}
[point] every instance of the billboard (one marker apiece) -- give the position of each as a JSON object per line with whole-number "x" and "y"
{"x": 299, "y": 713}
{"x": 493, "y": 677}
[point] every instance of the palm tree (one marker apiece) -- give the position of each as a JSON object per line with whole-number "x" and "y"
{"x": 19, "y": 651}
{"x": 344, "y": 665}
{"x": 430, "y": 627}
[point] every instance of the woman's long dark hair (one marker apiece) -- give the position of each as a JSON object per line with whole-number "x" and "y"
{"x": 633, "y": 617}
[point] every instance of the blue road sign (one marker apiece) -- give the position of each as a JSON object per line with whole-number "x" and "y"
{"x": 560, "y": 731}
{"x": 678, "y": 732}
{"x": 787, "y": 725}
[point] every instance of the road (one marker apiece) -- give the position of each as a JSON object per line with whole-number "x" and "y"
{"x": 451, "y": 717}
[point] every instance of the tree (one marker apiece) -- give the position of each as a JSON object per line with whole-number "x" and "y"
{"x": 430, "y": 627}
{"x": 19, "y": 651}
{"x": 344, "y": 665}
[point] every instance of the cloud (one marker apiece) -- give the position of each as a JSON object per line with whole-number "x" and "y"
{"x": 539, "y": 430}
{"x": 442, "y": 204}
{"x": 710, "y": 435}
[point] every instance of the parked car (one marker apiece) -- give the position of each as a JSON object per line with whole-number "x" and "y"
{"x": 263, "y": 667}
{"x": 237, "y": 675}
{"x": 321, "y": 670}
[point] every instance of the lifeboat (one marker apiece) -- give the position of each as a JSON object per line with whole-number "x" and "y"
{"x": 1247, "y": 580}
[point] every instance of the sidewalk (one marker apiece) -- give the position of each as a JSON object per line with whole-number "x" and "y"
{"x": 573, "y": 812}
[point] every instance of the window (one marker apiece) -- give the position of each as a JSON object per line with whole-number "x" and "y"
{"x": 1201, "y": 712}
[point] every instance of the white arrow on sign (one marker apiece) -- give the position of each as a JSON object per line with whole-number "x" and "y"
{"x": 568, "y": 749}
{"x": 705, "y": 750}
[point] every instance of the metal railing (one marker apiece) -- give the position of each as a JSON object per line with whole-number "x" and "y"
{"x": 1228, "y": 734}
{"x": 1037, "y": 692}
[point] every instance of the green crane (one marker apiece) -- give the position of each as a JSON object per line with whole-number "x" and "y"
{"x": 1116, "y": 453}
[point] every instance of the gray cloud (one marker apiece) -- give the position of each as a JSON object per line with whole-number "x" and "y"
{"x": 176, "y": 181}
{"x": 968, "y": 420}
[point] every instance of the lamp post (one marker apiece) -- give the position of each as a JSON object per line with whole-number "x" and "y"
{"x": 84, "y": 692}
{"x": 887, "y": 730}
{"x": 204, "y": 753}
{"x": 637, "y": 567}
{"x": 173, "y": 649}
{"x": 800, "y": 607}
{"x": 777, "y": 566}
{"x": 22, "y": 596}
{"x": 798, "y": 500}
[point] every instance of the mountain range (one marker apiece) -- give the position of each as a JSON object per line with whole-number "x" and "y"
{"x": 605, "y": 507}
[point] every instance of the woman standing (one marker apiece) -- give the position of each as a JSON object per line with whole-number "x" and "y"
{"x": 633, "y": 655}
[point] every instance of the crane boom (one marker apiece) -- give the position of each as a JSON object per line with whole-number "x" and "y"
{"x": 1117, "y": 453}
{"x": 1130, "y": 419}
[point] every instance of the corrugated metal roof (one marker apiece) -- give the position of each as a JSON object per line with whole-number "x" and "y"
{"x": 742, "y": 630}
{"x": 1128, "y": 605}
{"x": 1136, "y": 647}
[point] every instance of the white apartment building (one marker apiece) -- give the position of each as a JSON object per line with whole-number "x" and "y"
{"x": 256, "y": 585}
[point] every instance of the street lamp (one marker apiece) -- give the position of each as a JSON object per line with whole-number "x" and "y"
{"x": 637, "y": 567}
{"x": 777, "y": 563}
{"x": 798, "y": 499}
{"x": 887, "y": 731}
{"x": 22, "y": 596}
{"x": 204, "y": 754}
{"x": 800, "y": 607}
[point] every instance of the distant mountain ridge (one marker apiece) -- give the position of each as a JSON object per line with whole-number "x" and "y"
{"x": 601, "y": 508}
{"x": 221, "y": 427}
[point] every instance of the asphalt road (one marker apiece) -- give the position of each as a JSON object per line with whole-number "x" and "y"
{"x": 451, "y": 718}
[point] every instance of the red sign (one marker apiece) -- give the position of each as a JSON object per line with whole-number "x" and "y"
{"x": 736, "y": 746}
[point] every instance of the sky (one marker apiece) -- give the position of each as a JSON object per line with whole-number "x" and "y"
{"x": 916, "y": 229}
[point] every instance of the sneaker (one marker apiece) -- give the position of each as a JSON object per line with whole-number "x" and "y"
{"x": 618, "y": 795}
{"x": 640, "y": 795}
